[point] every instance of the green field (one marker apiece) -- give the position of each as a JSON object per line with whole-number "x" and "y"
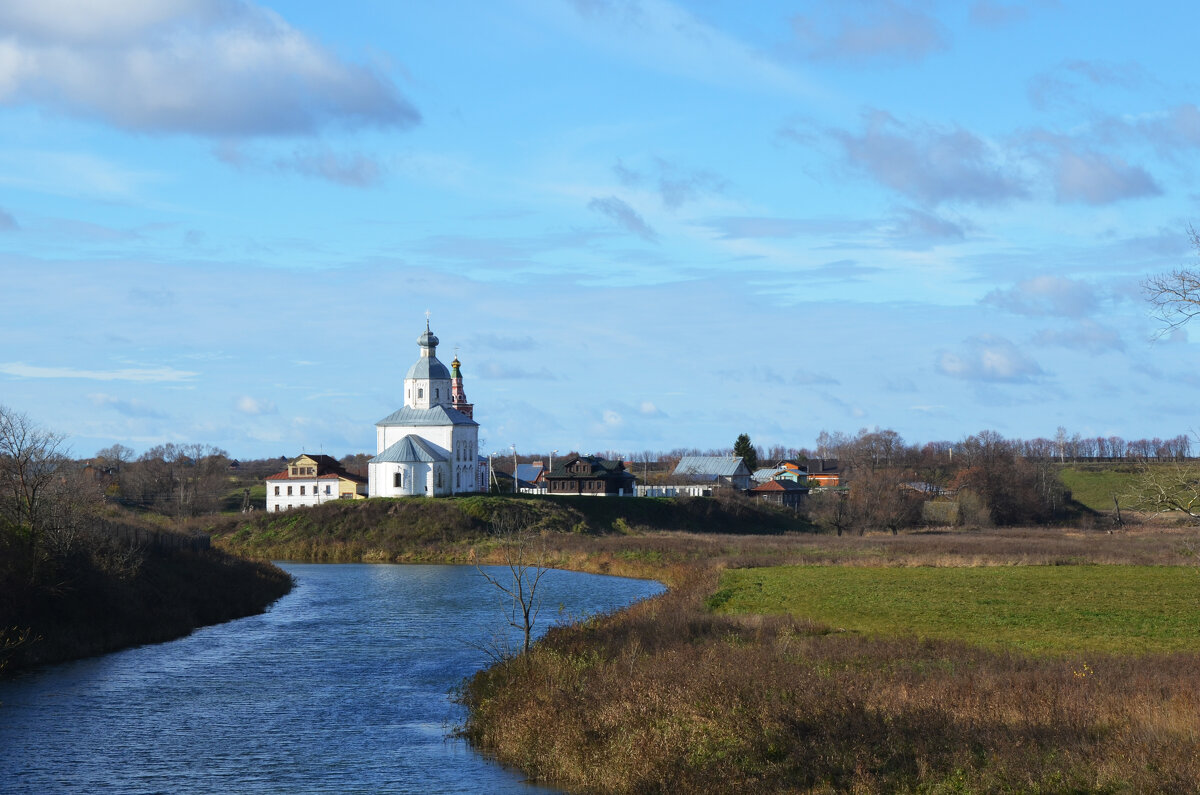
{"x": 1095, "y": 487}
{"x": 1042, "y": 609}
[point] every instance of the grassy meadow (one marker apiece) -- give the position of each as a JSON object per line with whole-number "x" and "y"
{"x": 1039, "y": 609}
{"x": 991, "y": 660}
{"x": 1029, "y": 660}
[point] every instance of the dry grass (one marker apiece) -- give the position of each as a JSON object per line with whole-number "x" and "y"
{"x": 667, "y": 697}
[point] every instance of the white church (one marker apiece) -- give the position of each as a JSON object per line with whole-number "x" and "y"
{"x": 430, "y": 447}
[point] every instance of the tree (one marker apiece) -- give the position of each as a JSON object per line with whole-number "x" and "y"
{"x": 742, "y": 447}
{"x": 1167, "y": 488}
{"x": 30, "y": 462}
{"x": 830, "y": 510}
{"x": 1175, "y": 296}
{"x": 524, "y": 554}
{"x": 881, "y": 499}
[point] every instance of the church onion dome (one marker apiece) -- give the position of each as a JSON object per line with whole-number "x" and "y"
{"x": 428, "y": 367}
{"x": 454, "y": 365}
{"x": 427, "y": 340}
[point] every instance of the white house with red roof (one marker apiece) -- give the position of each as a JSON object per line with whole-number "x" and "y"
{"x": 430, "y": 446}
{"x": 311, "y": 480}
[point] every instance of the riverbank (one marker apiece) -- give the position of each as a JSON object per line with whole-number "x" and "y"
{"x": 670, "y": 695}
{"x": 100, "y": 595}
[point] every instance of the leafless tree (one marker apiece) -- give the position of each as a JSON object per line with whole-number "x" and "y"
{"x": 1167, "y": 487}
{"x": 525, "y": 555}
{"x": 1175, "y": 296}
{"x": 31, "y": 462}
{"x": 830, "y": 510}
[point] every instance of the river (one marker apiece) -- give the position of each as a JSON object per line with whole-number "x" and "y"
{"x": 342, "y": 686}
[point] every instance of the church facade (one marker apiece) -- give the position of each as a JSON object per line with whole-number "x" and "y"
{"x": 430, "y": 446}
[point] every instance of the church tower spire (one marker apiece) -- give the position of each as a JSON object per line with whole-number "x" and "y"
{"x": 428, "y": 381}
{"x": 458, "y": 398}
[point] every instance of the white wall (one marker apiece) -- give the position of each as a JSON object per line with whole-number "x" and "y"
{"x": 314, "y": 492}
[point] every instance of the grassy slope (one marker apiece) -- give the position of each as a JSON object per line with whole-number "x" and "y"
{"x": 1052, "y": 609}
{"x": 449, "y": 529}
{"x": 1094, "y": 485}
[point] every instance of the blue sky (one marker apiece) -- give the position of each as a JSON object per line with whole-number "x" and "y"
{"x": 644, "y": 225}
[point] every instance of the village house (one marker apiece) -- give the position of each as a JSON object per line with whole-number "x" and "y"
{"x": 591, "y": 475}
{"x": 311, "y": 479}
{"x": 727, "y": 471}
{"x": 780, "y": 491}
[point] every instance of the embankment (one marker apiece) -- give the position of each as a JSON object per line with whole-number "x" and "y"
{"x": 105, "y": 594}
{"x": 456, "y": 529}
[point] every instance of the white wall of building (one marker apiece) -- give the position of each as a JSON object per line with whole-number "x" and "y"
{"x": 300, "y": 492}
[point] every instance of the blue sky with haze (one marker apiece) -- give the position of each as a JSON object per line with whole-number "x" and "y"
{"x": 643, "y": 224}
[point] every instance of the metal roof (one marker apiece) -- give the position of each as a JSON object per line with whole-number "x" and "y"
{"x": 428, "y": 367}
{"x": 712, "y": 466}
{"x": 410, "y": 450}
{"x": 437, "y": 415}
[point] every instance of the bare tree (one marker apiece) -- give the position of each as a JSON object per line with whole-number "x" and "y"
{"x": 31, "y": 459}
{"x": 524, "y": 554}
{"x": 1167, "y": 487}
{"x": 1175, "y": 296}
{"x": 830, "y": 510}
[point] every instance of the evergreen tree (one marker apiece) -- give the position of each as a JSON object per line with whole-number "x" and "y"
{"x": 742, "y": 447}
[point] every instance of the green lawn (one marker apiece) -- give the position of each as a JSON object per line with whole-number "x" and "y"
{"x": 1044, "y": 609}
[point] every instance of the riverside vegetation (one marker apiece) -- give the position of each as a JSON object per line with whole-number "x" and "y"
{"x": 767, "y": 666}
{"x": 78, "y": 578}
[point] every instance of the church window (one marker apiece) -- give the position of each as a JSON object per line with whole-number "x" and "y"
{"x": 420, "y": 393}
{"x": 458, "y": 480}
{"x": 439, "y": 478}
{"x": 437, "y": 393}
{"x": 398, "y": 480}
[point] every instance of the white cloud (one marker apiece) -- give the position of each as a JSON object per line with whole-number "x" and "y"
{"x": 128, "y": 407}
{"x": 208, "y": 67}
{"x": 254, "y": 406}
{"x": 1046, "y": 296}
{"x": 989, "y": 358}
{"x": 140, "y": 375}
{"x": 868, "y": 31}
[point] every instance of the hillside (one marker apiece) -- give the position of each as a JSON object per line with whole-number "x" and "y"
{"x": 420, "y": 528}
{"x": 106, "y": 593}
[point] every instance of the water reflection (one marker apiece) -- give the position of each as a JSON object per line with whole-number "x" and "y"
{"x": 341, "y": 687}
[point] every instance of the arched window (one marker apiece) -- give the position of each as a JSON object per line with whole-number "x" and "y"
{"x": 439, "y": 478}
{"x": 420, "y": 392}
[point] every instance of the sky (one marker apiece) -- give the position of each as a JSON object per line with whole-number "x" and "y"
{"x": 643, "y": 225}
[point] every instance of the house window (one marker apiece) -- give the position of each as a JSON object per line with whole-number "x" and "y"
{"x": 301, "y": 491}
{"x": 289, "y": 493}
{"x": 276, "y": 493}
{"x": 327, "y": 488}
{"x": 276, "y": 508}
